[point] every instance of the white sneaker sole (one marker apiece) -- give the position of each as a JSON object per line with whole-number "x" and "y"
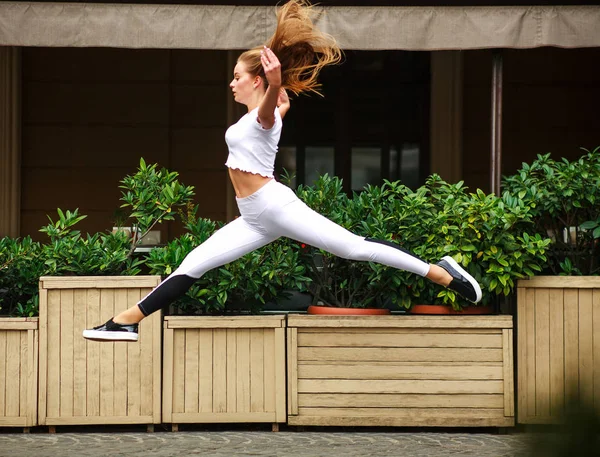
{"x": 109, "y": 336}
{"x": 466, "y": 275}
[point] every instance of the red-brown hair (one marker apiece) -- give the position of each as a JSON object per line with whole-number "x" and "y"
{"x": 302, "y": 49}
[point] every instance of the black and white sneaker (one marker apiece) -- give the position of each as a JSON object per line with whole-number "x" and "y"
{"x": 111, "y": 331}
{"x": 462, "y": 282}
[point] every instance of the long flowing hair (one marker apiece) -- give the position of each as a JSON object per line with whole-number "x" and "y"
{"x": 302, "y": 49}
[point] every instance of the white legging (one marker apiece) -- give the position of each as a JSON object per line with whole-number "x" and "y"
{"x": 269, "y": 213}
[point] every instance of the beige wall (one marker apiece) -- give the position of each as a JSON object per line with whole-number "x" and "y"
{"x": 90, "y": 114}
{"x": 551, "y": 99}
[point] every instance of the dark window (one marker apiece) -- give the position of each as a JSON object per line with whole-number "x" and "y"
{"x": 372, "y": 123}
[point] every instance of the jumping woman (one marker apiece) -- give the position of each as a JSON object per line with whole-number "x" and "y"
{"x": 290, "y": 61}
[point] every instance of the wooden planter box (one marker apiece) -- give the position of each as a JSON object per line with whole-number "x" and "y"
{"x": 224, "y": 369}
{"x": 90, "y": 382}
{"x": 18, "y": 371}
{"x": 558, "y": 357}
{"x": 400, "y": 371}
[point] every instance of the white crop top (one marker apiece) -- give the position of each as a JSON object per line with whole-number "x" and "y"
{"x": 251, "y": 147}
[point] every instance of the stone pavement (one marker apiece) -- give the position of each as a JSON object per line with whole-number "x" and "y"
{"x": 287, "y": 443}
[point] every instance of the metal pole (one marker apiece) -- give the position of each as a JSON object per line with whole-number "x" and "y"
{"x": 496, "y": 141}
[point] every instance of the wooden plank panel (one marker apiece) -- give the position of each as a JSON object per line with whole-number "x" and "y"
{"x": 13, "y": 363}
{"x": 400, "y": 321}
{"x": 365, "y": 370}
{"x": 93, "y": 356}
{"x": 292, "y": 370}
{"x": 99, "y": 420}
{"x": 401, "y": 330}
{"x": 270, "y": 381}
{"x": 508, "y": 375}
{"x": 401, "y": 400}
{"x": 399, "y": 386}
{"x": 23, "y": 371}
{"x": 530, "y": 361}
{"x": 557, "y": 355}
{"x": 404, "y": 412}
{"x": 134, "y": 378}
{"x": 562, "y": 282}
{"x": 596, "y": 332}
{"x": 107, "y": 363}
{"x": 120, "y": 361}
{"x": 231, "y": 370}
{"x": 179, "y": 351}
{"x": 406, "y": 340}
{"x": 53, "y": 348}
{"x": 167, "y": 394}
{"x": 193, "y": 353}
{"x": 219, "y": 371}
{"x": 32, "y": 377}
{"x": 224, "y": 322}
{"x": 522, "y": 353}
{"x": 216, "y": 418}
{"x": 280, "y": 387}
{"x": 414, "y": 421}
{"x": 43, "y": 358}
{"x": 243, "y": 371}
{"x": 156, "y": 363}
{"x": 98, "y": 282}
{"x": 206, "y": 370}
{"x": 7, "y": 324}
{"x": 146, "y": 343}
{"x": 79, "y": 352}
{"x": 399, "y": 354}
{"x": 586, "y": 347}
{"x": 3, "y": 373}
{"x": 571, "y": 317}
{"x": 256, "y": 370}
{"x": 542, "y": 352}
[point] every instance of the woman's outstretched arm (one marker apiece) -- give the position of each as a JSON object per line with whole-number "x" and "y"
{"x": 266, "y": 108}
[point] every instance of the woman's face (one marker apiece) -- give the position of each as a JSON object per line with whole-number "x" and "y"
{"x": 242, "y": 84}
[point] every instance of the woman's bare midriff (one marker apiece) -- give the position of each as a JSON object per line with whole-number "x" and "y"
{"x": 245, "y": 183}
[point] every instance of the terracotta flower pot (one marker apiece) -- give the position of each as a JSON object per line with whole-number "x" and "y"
{"x": 332, "y": 311}
{"x": 448, "y": 310}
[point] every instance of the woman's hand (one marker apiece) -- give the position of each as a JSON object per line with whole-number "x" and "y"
{"x": 271, "y": 66}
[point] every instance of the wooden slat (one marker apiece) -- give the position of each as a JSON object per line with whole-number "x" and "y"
{"x": 99, "y": 420}
{"x": 409, "y": 363}
{"x": 399, "y": 386}
{"x": 97, "y": 282}
{"x": 401, "y": 331}
{"x": 557, "y": 354}
{"x": 13, "y": 364}
{"x": 430, "y": 413}
{"x": 79, "y": 353}
{"x": 271, "y": 381}
{"x": 224, "y": 322}
{"x": 22, "y": 392}
{"x": 243, "y": 371}
{"x": 400, "y": 321}
{"x": 530, "y": 344}
{"x": 292, "y": 370}
{"x": 120, "y": 361}
{"x": 13, "y": 421}
{"x": 17, "y": 325}
{"x": 219, "y": 376}
{"x": 147, "y": 375}
{"x": 3, "y": 372}
{"x": 156, "y": 321}
{"x": 399, "y": 354}
{"x": 562, "y": 282}
{"x": 168, "y": 370}
{"x": 231, "y": 370}
{"x": 53, "y": 376}
{"x": 401, "y": 400}
{"x": 522, "y": 353}
{"x": 179, "y": 350}
{"x": 365, "y": 370}
{"x": 134, "y": 378}
{"x": 596, "y": 349}
{"x": 542, "y": 352}
{"x": 205, "y": 368}
{"x": 32, "y": 377}
{"x": 280, "y": 385}
{"x": 508, "y": 373}
{"x": 194, "y": 355}
{"x": 215, "y": 418}
{"x": 413, "y": 340}
{"x": 107, "y": 362}
{"x": 571, "y": 310}
{"x": 256, "y": 370}
{"x": 412, "y": 421}
{"x": 43, "y": 358}
{"x": 586, "y": 347}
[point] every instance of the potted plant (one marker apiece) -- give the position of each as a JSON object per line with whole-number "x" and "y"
{"x": 435, "y": 371}
{"x": 227, "y": 359}
{"x": 90, "y": 278}
{"x": 556, "y": 310}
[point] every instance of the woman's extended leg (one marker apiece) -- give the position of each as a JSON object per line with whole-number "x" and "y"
{"x": 226, "y": 245}
{"x": 297, "y": 221}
